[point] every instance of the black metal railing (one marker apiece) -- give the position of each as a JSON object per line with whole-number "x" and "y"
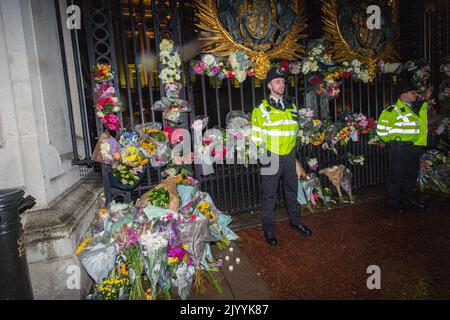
{"x": 123, "y": 32}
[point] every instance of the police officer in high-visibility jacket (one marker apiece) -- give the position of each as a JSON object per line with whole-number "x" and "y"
{"x": 403, "y": 127}
{"x": 275, "y": 126}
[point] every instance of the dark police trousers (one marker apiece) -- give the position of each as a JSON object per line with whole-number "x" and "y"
{"x": 403, "y": 169}
{"x": 269, "y": 187}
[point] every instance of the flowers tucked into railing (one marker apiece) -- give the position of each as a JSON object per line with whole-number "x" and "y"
{"x": 107, "y": 106}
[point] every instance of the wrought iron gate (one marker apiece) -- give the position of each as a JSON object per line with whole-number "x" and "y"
{"x": 121, "y": 32}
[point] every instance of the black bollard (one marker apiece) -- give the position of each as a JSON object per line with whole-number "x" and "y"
{"x": 15, "y": 281}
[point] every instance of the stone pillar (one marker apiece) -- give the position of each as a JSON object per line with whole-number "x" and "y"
{"x": 35, "y": 142}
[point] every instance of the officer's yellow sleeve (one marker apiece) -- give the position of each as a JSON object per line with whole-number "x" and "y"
{"x": 384, "y": 124}
{"x": 256, "y": 132}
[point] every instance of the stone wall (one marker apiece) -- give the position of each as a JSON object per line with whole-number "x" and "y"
{"x": 35, "y": 145}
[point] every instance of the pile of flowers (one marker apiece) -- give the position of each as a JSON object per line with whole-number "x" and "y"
{"x": 434, "y": 174}
{"x": 421, "y": 73}
{"x": 237, "y": 65}
{"x": 327, "y": 134}
{"x": 107, "y": 105}
{"x": 152, "y": 250}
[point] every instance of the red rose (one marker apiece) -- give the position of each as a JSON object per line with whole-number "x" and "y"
{"x": 284, "y": 65}
{"x": 316, "y": 80}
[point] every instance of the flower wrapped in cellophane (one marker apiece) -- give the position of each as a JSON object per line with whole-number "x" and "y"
{"x": 335, "y": 175}
{"x": 346, "y": 183}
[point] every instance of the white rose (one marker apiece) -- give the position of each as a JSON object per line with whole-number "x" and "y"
{"x": 209, "y": 59}
{"x": 100, "y": 114}
{"x": 116, "y": 109}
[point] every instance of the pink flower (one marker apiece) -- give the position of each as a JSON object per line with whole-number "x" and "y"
{"x": 198, "y": 69}
{"x": 250, "y": 74}
{"x": 202, "y": 65}
{"x": 178, "y": 160}
{"x": 111, "y": 122}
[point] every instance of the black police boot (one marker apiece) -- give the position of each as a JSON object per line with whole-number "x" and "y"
{"x": 302, "y": 229}
{"x": 270, "y": 238}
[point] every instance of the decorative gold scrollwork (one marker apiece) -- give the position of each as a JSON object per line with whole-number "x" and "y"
{"x": 368, "y": 46}
{"x": 262, "y": 36}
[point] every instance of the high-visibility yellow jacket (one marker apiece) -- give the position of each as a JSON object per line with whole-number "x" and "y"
{"x": 400, "y": 123}
{"x": 276, "y": 128}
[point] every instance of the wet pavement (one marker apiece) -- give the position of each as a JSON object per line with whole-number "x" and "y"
{"x": 412, "y": 251}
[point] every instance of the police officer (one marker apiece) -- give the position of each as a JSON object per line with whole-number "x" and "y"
{"x": 403, "y": 127}
{"x": 274, "y": 125}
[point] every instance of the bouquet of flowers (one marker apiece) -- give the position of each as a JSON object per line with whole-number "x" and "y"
{"x": 154, "y": 249}
{"x": 106, "y": 149}
{"x": 421, "y": 73}
{"x": 103, "y": 90}
{"x": 355, "y": 160}
{"x": 237, "y": 66}
{"x": 359, "y": 70}
{"x": 238, "y": 134}
{"x": 126, "y": 176}
{"x": 159, "y": 197}
{"x": 434, "y": 172}
{"x": 170, "y": 62}
{"x": 335, "y": 175}
{"x": 315, "y": 57}
{"x": 313, "y": 164}
{"x": 102, "y": 72}
{"x": 113, "y": 288}
{"x": 346, "y": 183}
{"x": 327, "y": 193}
{"x": 241, "y": 64}
{"x": 129, "y": 138}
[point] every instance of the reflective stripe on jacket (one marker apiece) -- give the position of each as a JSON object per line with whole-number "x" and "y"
{"x": 277, "y": 128}
{"x": 400, "y": 123}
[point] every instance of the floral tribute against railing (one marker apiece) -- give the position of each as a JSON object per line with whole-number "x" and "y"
{"x": 324, "y": 76}
{"x": 160, "y": 246}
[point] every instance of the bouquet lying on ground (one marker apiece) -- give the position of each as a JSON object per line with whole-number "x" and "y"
{"x": 154, "y": 252}
{"x": 434, "y": 174}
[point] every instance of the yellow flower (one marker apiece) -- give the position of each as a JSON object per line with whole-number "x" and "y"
{"x": 148, "y": 294}
{"x": 123, "y": 269}
{"x": 317, "y": 122}
{"x": 185, "y": 246}
{"x": 204, "y": 206}
{"x": 179, "y": 178}
{"x": 210, "y": 215}
{"x": 83, "y": 245}
{"x": 173, "y": 260}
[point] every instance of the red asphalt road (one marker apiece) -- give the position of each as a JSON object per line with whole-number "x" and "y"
{"x": 411, "y": 249}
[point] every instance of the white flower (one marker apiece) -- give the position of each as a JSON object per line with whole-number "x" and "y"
{"x": 165, "y": 45}
{"x": 356, "y": 63}
{"x": 240, "y": 75}
{"x": 306, "y": 67}
{"x": 116, "y": 109}
{"x": 153, "y": 241}
{"x": 314, "y": 66}
{"x": 364, "y": 76}
{"x": 100, "y": 114}
{"x": 209, "y": 59}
